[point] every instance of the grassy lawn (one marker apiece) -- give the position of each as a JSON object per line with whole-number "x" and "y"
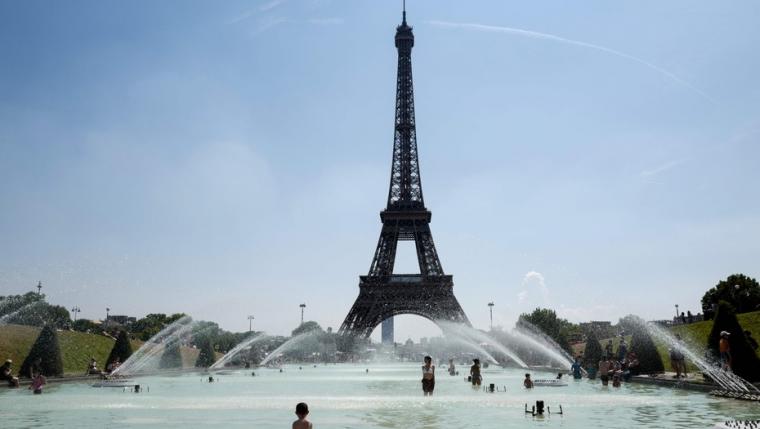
{"x": 76, "y": 348}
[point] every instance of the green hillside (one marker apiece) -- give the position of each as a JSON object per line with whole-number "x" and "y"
{"x": 695, "y": 334}
{"x": 76, "y": 348}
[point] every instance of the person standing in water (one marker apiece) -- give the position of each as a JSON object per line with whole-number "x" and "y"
{"x": 475, "y": 373}
{"x": 38, "y": 381}
{"x": 576, "y": 369}
{"x": 428, "y": 377}
{"x": 452, "y": 368}
{"x": 528, "y": 383}
{"x": 604, "y": 370}
{"x": 302, "y": 410}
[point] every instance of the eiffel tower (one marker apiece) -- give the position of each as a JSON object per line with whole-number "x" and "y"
{"x": 383, "y": 294}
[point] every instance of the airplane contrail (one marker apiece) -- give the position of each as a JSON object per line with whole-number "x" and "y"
{"x": 551, "y": 37}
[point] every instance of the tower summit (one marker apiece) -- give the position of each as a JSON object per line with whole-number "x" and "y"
{"x": 383, "y": 294}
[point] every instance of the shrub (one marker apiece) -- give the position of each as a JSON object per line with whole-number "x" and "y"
{"x": 172, "y": 357}
{"x": 206, "y": 357}
{"x": 744, "y": 361}
{"x": 47, "y": 349}
{"x": 122, "y": 349}
{"x": 592, "y": 354}
{"x": 649, "y": 358}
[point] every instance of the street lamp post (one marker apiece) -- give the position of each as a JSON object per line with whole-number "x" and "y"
{"x": 107, "y": 310}
{"x": 75, "y": 310}
{"x": 677, "y": 313}
{"x": 250, "y": 323}
{"x": 490, "y": 310}
{"x": 302, "y": 307}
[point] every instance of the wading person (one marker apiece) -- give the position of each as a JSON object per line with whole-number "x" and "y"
{"x": 604, "y": 371}
{"x": 576, "y": 369}
{"x": 528, "y": 383}
{"x": 475, "y": 373}
{"x": 428, "y": 376}
{"x": 302, "y": 410}
{"x": 38, "y": 381}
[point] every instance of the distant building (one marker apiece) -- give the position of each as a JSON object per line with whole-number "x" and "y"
{"x": 386, "y": 331}
{"x": 121, "y": 320}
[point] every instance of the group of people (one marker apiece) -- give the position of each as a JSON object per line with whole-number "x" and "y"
{"x": 35, "y": 374}
{"x": 615, "y": 367}
{"x": 92, "y": 367}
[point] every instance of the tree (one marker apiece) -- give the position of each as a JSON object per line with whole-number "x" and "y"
{"x": 206, "y": 357}
{"x": 649, "y": 358}
{"x": 307, "y": 327}
{"x": 592, "y": 354}
{"x": 48, "y": 351}
{"x": 31, "y": 309}
{"x": 547, "y": 321}
{"x": 741, "y": 291}
{"x": 85, "y": 325}
{"x": 744, "y": 361}
{"x": 122, "y": 349}
{"x": 172, "y": 356}
{"x": 629, "y": 324}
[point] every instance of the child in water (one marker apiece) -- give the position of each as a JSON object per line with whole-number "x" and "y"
{"x": 302, "y": 410}
{"x": 528, "y": 383}
{"x": 38, "y": 380}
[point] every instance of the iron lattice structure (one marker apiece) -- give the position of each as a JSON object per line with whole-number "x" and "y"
{"x": 383, "y": 294}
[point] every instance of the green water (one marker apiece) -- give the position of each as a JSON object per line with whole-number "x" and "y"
{"x": 345, "y": 396}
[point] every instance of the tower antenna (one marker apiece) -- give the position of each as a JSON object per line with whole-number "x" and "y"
{"x": 404, "y": 12}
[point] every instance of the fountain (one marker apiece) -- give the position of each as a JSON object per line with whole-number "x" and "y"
{"x": 727, "y": 380}
{"x": 532, "y": 337}
{"x": 245, "y": 344}
{"x": 8, "y": 318}
{"x": 474, "y": 337}
{"x": 147, "y": 356}
{"x": 289, "y": 345}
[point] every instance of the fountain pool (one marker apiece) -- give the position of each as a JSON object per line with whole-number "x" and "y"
{"x": 346, "y": 396}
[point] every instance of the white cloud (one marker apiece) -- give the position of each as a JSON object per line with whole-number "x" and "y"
{"x": 533, "y": 281}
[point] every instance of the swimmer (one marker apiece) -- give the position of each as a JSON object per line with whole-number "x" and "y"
{"x": 210, "y": 379}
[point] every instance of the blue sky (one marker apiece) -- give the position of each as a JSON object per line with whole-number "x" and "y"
{"x": 231, "y": 158}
